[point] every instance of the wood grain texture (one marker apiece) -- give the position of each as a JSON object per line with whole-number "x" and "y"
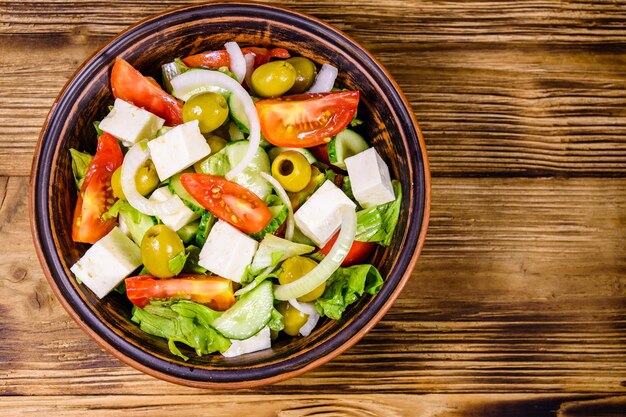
{"x": 495, "y": 405}
{"x": 496, "y": 89}
{"x": 507, "y": 303}
{"x": 518, "y": 304}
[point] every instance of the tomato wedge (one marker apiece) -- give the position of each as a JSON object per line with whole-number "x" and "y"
{"x": 129, "y": 85}
{"x": 359, "y": 252}
{"x": 214, "y": 292}
{"x": 306, "y": 120}
{"x": 228, "y": 201}
{"x": 96, "y": 195}
{"x": 221, "y": 58}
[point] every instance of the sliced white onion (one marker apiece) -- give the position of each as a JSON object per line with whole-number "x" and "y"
{"x": 237, "y": 61}
{"x": 249, "y": 68}
{"x": 325, "y": 80}
{"x": 134, "y": 159}
{"x": 283, "y": 196}
{"x": 310, "y": 324}
{"x": 306, "y": 308}
{"x": 200, "y": 77}
{"x": 308, "y": 282}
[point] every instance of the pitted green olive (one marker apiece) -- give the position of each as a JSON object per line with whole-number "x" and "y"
{"x": 292, "y": 170}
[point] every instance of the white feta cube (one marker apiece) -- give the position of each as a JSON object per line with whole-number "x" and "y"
{"x": 227, "y": 251}
{"x": 320, "y": 217}
{"x": 130, "y": 124}
{"x": 107, "y": 262}
{"x": 183, "y": 214}
{"x": 177, "y": 149}
{"x": 260, "y": 341}
{"x": 369, "y": 178}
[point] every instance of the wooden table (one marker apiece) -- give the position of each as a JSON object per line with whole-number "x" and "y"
{"x": 518, "y": 303}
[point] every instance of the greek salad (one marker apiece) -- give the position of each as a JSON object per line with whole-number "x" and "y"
{"x": 234, "y": 203}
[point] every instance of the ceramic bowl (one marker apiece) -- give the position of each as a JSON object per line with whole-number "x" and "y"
{"x": 388, "y": 121}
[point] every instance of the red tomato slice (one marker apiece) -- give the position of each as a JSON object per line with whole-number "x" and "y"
{"x": 220, "y": 58}
{"x": 228, "y": 201}
{"x": 215, "y": 292}
{"x": 359, "y": 252}
{"x": 306, "y": 120}
{"x": 129, "y": 85}
{"x": 96, "y": 195}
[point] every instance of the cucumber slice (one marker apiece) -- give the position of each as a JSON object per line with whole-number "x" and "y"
{"x": 176, "y": 187}
{"x": 248, "y": 315}
{"x": 238, "y": 114}
{"x": 274, "y": 152}
{"x": 250, "y": 178}
{"x": 171, "y": 70}
{"x": 235, "y": 132}
{"x": 188, "y": 231}
{"x": 346, "y": 144}
{"x": 206, "y": 223}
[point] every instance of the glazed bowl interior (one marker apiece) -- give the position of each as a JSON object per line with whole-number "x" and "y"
{"x": 388, "y": 123}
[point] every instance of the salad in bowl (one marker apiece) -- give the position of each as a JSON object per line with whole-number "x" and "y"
{"x": 236, "y": 202}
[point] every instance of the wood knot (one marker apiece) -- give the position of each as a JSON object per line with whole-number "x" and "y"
{"x": 18, "y": 274}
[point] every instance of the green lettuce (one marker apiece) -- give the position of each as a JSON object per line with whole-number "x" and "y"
{"x": 184, "y": 322}
{"x": 191, "y": 263}
{"x": 377, "y": 224}
{"x": 273, "y": 250}
{"x": 80, "y": 165}
{"x": 277, "y": 322}
{"x": 345, "y": 287}
{"x": 135, "y": 221}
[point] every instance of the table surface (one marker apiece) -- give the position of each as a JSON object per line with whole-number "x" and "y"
{"x": 518, "y": 302}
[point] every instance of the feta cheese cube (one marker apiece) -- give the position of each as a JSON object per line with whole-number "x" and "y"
{"x": 369, "y": 178}
{"x": 130, "y": 124}
{"x": 320, "y": 217}
{"x": 181, "y": 216}
{"x": 227, "y": 251}
{"x": 260, "y": 341}
{"x": 177, "y": 149}
{"x": 107, "y": 262}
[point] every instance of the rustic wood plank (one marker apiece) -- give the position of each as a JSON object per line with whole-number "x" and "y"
{"x": 565, "y": 113}
{"x": 520, "y": 288}
{"x": 403, "y": 21}
{"x": 494, "y": 405}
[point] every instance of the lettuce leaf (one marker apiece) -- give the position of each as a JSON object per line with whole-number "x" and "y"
{"x": 377, "y": 224}
{"x": 273, "y": 250}
{"x": 80, "y": 165}
{"x": 345, "y": 287}
{"x": 132, "y": 221}
{"x": 277, "y": 322}
{"x": 184, "y": 322}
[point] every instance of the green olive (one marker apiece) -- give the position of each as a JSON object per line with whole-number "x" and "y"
{"x": 209, "y": 109}
{"x": 295, "y": 268}
{"x": 305, "y": 74}
{"x": 294, "y": 318}
{"x": 116, "y": 184}
{"x": 146, "y": 179}
{"x": 159, "y": 246}
{"x": 292, "y": 170}
{"x": 273, "y": 79}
